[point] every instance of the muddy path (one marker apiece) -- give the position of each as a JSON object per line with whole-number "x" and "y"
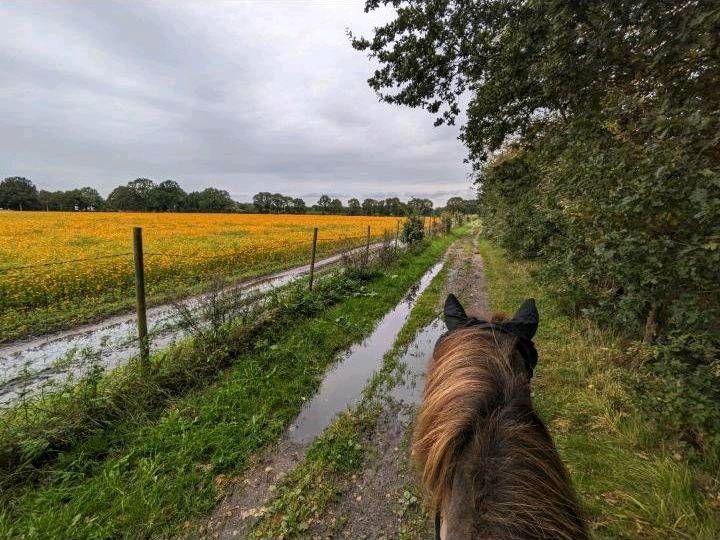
{"x": 382, "y": 500}
{"x": 341, "y": 389}
{"x": 32, "y": 365}
{"x": 375, "y": 502}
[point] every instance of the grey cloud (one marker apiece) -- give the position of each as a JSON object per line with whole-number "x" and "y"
{"x": 244, "y": 96}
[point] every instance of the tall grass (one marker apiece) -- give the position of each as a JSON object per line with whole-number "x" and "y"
{"x": 631, "y": 483}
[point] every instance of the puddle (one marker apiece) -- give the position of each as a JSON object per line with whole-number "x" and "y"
{"x": 343, "y": 385}
{"x": 27, "y": 367}
{"x": 412, "y": 365}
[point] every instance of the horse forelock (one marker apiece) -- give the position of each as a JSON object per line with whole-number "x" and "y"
{"x": 466, "y": 377}
{"x": 477, "y": 418}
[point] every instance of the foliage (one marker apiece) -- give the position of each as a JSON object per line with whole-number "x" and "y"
{"x": 18, "y": 193}
{"x": 354, "y": 208}
{"x": 421, "y": 207}
{"x": 143, "y": 194}
{"x": 276, "y": 203}
{"x": 459, "y": 205}
{"x": 681, "y": 400}
{"x": 413, "y": 230}
{"x": 594, "y": 129}
{"x": 85, "y": 198}
{"x": 324, "y": 204}
{"x": 632, "y": 481}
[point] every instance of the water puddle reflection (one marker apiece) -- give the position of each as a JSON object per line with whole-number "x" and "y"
{"x": 343, "y": 385}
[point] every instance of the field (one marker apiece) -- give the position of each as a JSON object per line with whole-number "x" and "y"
{"x": 63, "y": 268}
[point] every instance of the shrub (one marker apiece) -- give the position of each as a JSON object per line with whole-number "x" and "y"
{"x": 413, "y": 230}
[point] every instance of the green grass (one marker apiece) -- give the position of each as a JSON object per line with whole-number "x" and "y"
{"x": 326, "y": 472}
{"x": 149, "y": 476}
{"x": 630, "y": 484}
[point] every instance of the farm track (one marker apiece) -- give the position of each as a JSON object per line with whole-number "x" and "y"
{"x": 371, "y": 503}
{"x": 374, "y": 504}
{"x": 29, "y": 365}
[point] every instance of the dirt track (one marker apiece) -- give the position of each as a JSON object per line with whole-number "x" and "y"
{"x": 377, "y": 502}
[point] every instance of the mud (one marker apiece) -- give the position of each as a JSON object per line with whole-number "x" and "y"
{"x": 341, "y": 388}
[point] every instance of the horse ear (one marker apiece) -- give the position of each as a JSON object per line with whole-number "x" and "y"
{"x": 526, "y": 319}
{"x": 453, "y": 313}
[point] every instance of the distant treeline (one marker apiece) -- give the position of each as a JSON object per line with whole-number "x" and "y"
{"x": 144, "y": 195}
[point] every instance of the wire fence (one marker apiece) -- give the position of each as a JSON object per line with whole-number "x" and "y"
{"x": 114, "y": 341}
{"x": 44, "y": 296}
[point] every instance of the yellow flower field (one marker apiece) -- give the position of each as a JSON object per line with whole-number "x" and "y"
{"x": 60, "y": 268}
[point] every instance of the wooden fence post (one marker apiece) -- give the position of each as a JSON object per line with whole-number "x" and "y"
{"x": 367, "y": 247}
{"x": 312, "y": 256}
{"x": 140, "y": 296}
{"x": 397, "y": 234}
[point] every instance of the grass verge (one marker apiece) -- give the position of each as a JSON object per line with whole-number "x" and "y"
{"x": 631, "y": 485}
{"x": 326, "y": 472}
{"x": 148, "y": 475}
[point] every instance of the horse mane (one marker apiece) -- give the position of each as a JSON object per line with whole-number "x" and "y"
{"x": 476, "y": 426}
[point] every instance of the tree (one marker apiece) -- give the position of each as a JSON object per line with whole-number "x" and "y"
{"x": 142, "y": 187}
{"x": 125, "y": 198}
{"x": 336, "y": 206}
{"x": 393, "y": 207}
{"x": 298, "y": 206}
{"x": 279, "y": 203}
{"x": 18, "y": 193}
{"x": 135, "y": 196}
{"x": 369, "y": 207}
{"x": 192, "y": 201}
{"x": 262, "y": 202}
{"x": 593, "y": 130}
{"x": 323, "y": 204}
{"x": 354, "y": 208}
{"x": 51, "y": 200}
{"x": 420, "y": 207}
{"x": 90, "y": 199}
{"x": 455, "y": 204}
{"x": 215, "y": 200}
{"x": 166, "y": 196}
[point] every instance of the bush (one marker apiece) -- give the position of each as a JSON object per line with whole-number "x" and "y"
{"x": 413, "y": 230}
{"x": 683, "y": 400}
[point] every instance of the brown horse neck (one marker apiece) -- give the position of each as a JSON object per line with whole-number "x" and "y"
{"x": 509, "y": 482}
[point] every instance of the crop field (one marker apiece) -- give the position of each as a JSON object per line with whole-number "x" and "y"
{"x": 64, "y": 268}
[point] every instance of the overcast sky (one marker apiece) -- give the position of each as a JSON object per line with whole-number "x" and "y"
{"x": 245, "y": 96}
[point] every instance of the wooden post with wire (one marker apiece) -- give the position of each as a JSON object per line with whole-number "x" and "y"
{"x": 140, "y": 297}
{"x": 312, "y": 257}
{"x": 397, "y": 234}
{"x": 367, "y": 247}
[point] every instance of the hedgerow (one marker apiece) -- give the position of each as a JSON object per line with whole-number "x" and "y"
{"x": 594, "y": 132}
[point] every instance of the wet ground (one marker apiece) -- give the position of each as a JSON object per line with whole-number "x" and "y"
{"x": 340, "y": 390}
{"x": 30, "y": 366}
{"x": 379, "y": 500}
{"x": 374, "y": 503}
{"x": 343, "y": 385}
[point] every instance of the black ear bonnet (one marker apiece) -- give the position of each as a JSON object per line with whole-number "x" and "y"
{"x": 522, "y": 325}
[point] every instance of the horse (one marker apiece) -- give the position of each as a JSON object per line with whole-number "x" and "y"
{"x": 486, "y": 462}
